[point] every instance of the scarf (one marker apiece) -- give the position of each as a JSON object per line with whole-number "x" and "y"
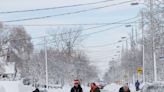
{"x": 93, "y": 89}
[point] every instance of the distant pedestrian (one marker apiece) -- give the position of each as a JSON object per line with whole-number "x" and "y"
{"x": 36, "y": 90}
{"x": 94, "y": 88}
{"x": 125, "y": 88}
{"x": 137, "y": 85}
{"x": 77, "y": 87}
{"x": 45, "y": 88}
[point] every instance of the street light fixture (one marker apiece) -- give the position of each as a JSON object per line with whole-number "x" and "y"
{"x": 118, "y": 47}
{"x": 135, "y": 3}
{"x": 118, "y": 51}
{"x": 128, "y": 25}
{"x": 123, "y": 37}
{"x": 154, "y": 54}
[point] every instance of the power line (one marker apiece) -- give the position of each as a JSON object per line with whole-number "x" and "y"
{"x": 82, "y": 24}
{"x": 68, "y": 13}
{"x": 52, "y": 8}
{"x": 109, "y": 44}
{"x": 104, "y": 45}
{"x": 89, "y": 34}
{"x": 82, "y": 30}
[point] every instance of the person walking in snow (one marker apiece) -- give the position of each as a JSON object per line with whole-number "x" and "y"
{"x": 137, "y": 85}
{"x": 36, "y": 90}
{"x": 94, "y": 88}
{"x": 125, "y": 88}
{"x": 77, "y": 87}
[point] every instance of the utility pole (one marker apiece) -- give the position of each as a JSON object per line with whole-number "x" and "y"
{"x": 45, "y": 49}
{"x": 153, "y": 34}
{"x": 143, "y": 50}
{"x": 133, "y": 50}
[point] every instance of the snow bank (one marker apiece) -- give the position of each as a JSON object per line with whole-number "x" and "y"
{"x": 154, "y": 87}
{"x": 67, "y": 88}
{"x": 64, "y": 89}
{"x": 115, "y": 87}
{"x": 112, "y": 87}
{"x": 14, "y": 86}
{"x": 9, "y": 86}
{"x": 17, "y": 86}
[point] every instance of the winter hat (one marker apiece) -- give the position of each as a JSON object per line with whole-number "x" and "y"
{"x": 76, "y": 81}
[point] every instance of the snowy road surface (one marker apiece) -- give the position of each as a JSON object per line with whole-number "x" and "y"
{"x": 17, "y": 86}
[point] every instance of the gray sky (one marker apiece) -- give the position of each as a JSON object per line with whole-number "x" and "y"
{"x": 100, "y": 55}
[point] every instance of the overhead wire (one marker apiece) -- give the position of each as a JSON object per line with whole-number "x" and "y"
{"x": 76, "y": 24}
{"x": 99, "y": 26}
{"x": 67, "y": 13}
{"x": 52, "y": 8}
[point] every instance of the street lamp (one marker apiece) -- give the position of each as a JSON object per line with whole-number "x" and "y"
{"x": 118, "y": 51}
{"x": 135, "y": 3}
{"x": 152, "y": 28}
{"x": 118, "y": 47}
{"x": 128, "y": 25}
{"x": 123, "y": 37}
{"x": 120, "y": 41}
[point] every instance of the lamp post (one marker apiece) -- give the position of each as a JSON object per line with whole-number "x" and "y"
{"x": 132, "y": 48}
{"x": 153, "y": 38}
{"x": 46, "y": 63}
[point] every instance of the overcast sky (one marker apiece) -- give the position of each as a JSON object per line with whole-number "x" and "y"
{"x": 100, "y": 55}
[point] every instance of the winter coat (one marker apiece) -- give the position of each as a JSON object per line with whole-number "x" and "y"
{"x": 137, "y": 84}
{"x": 95, "y": 90}
{"x": 36, "y": 90}
{"x": 122, "y": 90}
{"x": 76, "y": 89}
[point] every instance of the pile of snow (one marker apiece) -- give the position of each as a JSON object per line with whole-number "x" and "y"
{"x": 115, "y": 87}
{"x": 132, "y": 87}
{"x": 9, "y": 86}
{"x": 64, "y": 89}
{"x": 17, "y": 86}
{"x": 14, "y": 86}
{"x": 67, "y": 88}
{"x": 112, "y": 87}
{"x": 154, "y": 87}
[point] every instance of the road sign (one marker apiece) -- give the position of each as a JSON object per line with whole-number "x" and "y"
{"x": 139, "y": 70}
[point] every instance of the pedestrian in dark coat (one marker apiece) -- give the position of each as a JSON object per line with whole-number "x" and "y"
{"x": 94, "y": 88}
{"x": 36, "y": 90}
{"x": 125, "y": 88}
{"x": 137, "y": 84}
{"x": 77, "y": 87}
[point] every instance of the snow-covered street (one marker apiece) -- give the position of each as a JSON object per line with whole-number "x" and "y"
{"x": 82, "y": 46}
{"x": 17, "y": 86}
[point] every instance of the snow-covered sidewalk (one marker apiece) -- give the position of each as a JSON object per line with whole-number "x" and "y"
{"x": 17, "y": 86}
{"x": 115, "y": 88}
